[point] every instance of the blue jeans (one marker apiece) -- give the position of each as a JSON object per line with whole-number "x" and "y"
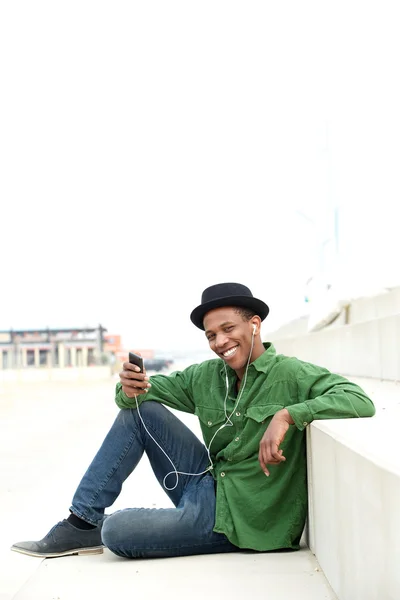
{"x": 151, "y": 532}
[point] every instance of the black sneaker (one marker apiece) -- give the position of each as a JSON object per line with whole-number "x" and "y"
{"x": 63, "y": 540}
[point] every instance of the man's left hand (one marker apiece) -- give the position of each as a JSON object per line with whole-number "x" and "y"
{"x": 269, "y": 453}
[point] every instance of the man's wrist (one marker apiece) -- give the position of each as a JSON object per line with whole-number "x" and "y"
{"x": 285, "y": 415}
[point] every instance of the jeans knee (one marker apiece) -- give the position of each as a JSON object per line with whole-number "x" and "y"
{"x": 129, "y": 417}
{"x": 151, "y": 407}
{"x": 136, "y": 532}
{"x": 111, "y": 534}
{"x": 124, "y": 533}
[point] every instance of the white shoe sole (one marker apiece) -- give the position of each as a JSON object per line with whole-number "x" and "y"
{"x": 78, "y": 551}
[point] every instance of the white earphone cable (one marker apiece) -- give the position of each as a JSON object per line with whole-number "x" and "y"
{"x": 228, "y": 423}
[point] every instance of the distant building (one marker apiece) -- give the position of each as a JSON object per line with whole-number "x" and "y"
{"x": 57, "y": 347}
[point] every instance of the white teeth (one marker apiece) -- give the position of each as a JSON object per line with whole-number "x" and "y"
{"x": 230, "y": 352}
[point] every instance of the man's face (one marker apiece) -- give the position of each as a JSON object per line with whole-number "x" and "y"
{"x": 229, "y": 336}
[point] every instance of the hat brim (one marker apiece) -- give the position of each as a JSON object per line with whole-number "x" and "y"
{"x": 260, "y": 308}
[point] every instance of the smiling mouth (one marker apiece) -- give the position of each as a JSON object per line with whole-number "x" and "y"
{"x": 230, "y": 352}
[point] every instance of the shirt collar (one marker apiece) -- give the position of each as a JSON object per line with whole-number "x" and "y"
{"x": 263, "y": 363}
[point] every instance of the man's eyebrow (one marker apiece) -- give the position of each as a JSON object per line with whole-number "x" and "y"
{"x": 222, "y": 325}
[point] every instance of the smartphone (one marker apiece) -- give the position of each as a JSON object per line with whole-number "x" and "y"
{"x": 134, "y": 359}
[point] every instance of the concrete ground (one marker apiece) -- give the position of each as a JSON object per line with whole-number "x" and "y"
{"x": 49, "y": 433}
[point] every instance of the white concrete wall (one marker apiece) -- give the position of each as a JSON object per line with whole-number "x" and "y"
{"x": 369, "y": 349}
{"x": 375, "y": 307}
{"x": 354, "y": 510}
{"x": 384, "y": 304}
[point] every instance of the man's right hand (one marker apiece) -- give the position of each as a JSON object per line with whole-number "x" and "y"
{"x": 133, "y": 381}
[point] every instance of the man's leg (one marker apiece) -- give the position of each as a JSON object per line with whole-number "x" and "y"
{"x": 140, "y": 532}
{"x": 166, "y": 532}
{"x": 116, "y": 459}
{"x": 122, "y": 450}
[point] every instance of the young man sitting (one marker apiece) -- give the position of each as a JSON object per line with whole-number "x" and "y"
{"x": 245, "y": 487}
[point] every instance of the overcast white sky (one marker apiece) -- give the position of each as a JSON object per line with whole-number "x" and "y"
{"x": 151, "y": 149}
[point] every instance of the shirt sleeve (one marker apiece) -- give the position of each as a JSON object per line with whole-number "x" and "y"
{"x": 174, "y": 390}
{"x": 325, "y": 395}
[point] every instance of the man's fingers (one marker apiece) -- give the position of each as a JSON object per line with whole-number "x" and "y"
{"x": 131, "y": 392}
{"x": 133, "y": 389}
{"x": 282, "y": 458}
{"x": 134, "y": 378}
{"x": 131, "y": 374}
{"x": 264, "y": 457}
{"x": 262, "y": 462}
{"x": 269, "y": 458}
{"x": 275, "y": 451}
{"x": 276, "y": 454}
{"x": 127, "y": 366}
{"x": 134, "y": 383}
{"x": 269, "y": 455}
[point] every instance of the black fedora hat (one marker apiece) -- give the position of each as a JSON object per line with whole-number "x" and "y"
{"x": 227, "y": 294}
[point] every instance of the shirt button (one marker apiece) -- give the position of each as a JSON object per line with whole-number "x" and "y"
{"x": 305, "y": 423}
{"x": 237, "y": 439}
{"x": 230, "y": 460}
{"x": 209, "y": 423}
{"x": 222, "y": 474}
{"x": 238, "y": 414}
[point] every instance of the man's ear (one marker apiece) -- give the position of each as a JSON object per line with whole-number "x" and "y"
{"x": 255, "y": 324}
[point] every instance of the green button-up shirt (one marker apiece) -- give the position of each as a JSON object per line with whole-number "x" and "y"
{"x": 252, "y": 510}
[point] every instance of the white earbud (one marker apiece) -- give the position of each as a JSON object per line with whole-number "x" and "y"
{"x": 254, "y": 328}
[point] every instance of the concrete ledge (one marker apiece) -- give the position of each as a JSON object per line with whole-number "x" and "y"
{"x": 277, "y": 576}
{"x": 370, "y": 349}
{"x": 383, "y": 304}
{"x": 354, "y": 500}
